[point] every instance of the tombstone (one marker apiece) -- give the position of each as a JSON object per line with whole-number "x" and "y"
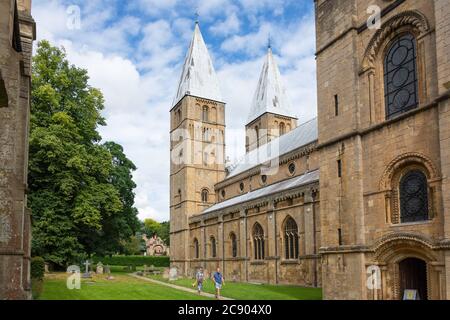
{"x": 146, "y": 270}
{"x": 107, "y": 269}
{"x": 86, "y": 274}
{"x": 99, "y": 269}
{"x": 46, "y": 268}
{"x": 166, "y": 273}
{"x": 173, "y": 274}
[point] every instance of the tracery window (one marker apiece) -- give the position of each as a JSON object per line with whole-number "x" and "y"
{"x": 400, "y": 76}
{"x": 258, "y": 241}
{"x": 413, "y": 197}
{"x": 291, "y": 239}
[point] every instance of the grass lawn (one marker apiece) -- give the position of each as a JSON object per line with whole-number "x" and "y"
{"x": 248, "y": 291}
{"x": 123, "y": 287}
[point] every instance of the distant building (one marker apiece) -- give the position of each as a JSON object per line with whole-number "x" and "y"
{"x": 155, "y": 246}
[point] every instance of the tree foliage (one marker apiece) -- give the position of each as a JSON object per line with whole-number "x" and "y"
{"x": 80, "y": 190}
{"x": 152, "y": 227}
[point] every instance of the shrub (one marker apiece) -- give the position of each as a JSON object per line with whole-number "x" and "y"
{"x": 37, "y": 268}
{"x": 134, "y": 261}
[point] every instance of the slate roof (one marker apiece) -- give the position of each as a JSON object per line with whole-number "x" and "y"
{"x": 291, "y": 183}
{"x": 304, "y": 134}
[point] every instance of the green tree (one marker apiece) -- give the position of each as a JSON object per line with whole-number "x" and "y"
{"x": 80, "y": 191}
{"x": 151, "y": 227}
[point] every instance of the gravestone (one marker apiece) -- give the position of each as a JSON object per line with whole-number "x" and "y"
{"x": 99, "y": 269}
{"x": 146, "y": 270}
{"x": 46, "y": 268}
{"x": 166, "y": 273}
{"x": 173, "y": 274}
{"x": 86, "y": 274}
{"x": 107, "y": 269}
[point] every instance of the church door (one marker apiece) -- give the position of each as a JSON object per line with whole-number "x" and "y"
{"x": 413, "y": 276}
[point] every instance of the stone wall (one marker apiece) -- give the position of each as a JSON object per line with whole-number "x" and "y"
{"x": 16, "y": 35}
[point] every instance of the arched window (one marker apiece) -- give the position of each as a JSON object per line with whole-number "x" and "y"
{"x": 258, "y": 241}
{"x": 282, "y": 128}
{"x": 400, "y": 76}
{"x": 213, "y": 247}
{"x": 196, "y": 249}
{"x": 413, "y": 197}
{"x": 233, "y": 245}
{"x": 205, "y": 115}
{"x": 204, "y": 196}
{"x": 290, "y": 239}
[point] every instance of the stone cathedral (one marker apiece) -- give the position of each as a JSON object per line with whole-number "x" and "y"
{"x": 357, "y": 200}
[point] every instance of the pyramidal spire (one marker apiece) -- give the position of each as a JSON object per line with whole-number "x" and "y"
{"x": 198, "y": 77}
{"x": 270, "y": 95}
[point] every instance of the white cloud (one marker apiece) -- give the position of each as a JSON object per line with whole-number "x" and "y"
{"x": 138, "y": 78}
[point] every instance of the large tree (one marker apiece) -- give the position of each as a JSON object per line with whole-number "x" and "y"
{"x": 80, "y": 190}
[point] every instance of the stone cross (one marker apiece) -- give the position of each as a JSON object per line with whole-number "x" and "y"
{"x": 87, "y": 274}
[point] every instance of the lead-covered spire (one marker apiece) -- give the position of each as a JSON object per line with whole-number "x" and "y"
{"x": 198, "y": 77}
{"x": 270, "y": 95}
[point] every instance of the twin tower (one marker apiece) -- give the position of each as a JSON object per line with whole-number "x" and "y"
{"x": 197, "y": 132}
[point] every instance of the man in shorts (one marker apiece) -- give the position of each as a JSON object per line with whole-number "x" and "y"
{"x": 219, "y": 281}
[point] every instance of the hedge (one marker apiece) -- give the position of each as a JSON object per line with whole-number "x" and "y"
{"x": 163, "y": 261}
{"x": 37, "y": 268}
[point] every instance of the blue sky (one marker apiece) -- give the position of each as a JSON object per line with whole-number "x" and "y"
{"x": 134, "y": 50}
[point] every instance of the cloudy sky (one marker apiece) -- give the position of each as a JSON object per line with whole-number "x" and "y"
{"x": 134, "y": 50}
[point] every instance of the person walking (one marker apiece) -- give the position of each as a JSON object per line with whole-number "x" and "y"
{"x": 199, "y": 278}
{"x": 219, "y": 281}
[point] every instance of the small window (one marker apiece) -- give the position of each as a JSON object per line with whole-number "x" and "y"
{"x": 292, "y": 168}
{"x": 205, "y": 114}
{"x": 282, "y": 128}
{"x": 179, "y": 193}
{"x": 213, "y": 247}
{"x": 233, "y": 245}
{"x": 340, "y": 236}
{"x": 196, "y": 249}
{"x": 264, "y": 179}
{"x": 205, "y": 196}
{"x": 222, "y": 193}
{"x": 241, "y": 186}
{"x": 336, "y": 105}
{"x": 339, "y": 168}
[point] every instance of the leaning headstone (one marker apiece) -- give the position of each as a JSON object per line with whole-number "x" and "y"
{"x": 173, "y": 274}
{"x": 99, "y": 269}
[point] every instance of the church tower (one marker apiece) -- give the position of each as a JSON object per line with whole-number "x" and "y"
{"x": 197, "y": 145}
{"x": 271, "y": 112}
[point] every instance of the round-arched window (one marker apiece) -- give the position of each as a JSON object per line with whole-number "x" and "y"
{"x": 413, "y": 197}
